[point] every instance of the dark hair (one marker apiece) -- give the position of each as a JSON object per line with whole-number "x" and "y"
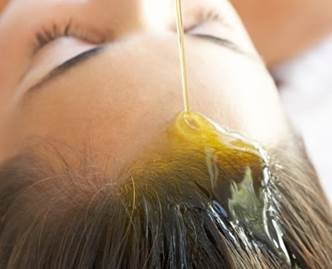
{"x": 53, "y": 216}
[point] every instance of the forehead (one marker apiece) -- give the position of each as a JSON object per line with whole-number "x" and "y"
{"x": 133, "y": 89}
{"x": 128, "y": 92}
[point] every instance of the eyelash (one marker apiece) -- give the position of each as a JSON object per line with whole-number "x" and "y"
{"x": 206, "y": 16}
{"x": 211, "y": 15}
{"x": 47, "y": 35}
{"x": 54, "y": 31}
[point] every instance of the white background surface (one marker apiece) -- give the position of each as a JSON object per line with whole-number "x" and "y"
{"x": 306, "y": 91}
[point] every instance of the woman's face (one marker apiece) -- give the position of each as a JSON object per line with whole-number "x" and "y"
{"x": 111, "y": 77}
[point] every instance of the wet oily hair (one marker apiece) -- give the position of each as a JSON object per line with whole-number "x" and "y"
{"x": 165, "y": 211}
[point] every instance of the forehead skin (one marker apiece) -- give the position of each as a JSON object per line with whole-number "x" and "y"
{"x": 121, "y": 99}
{"x": 121, "y": 111}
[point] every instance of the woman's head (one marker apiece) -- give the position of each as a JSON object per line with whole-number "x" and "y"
{"x": 100, "y": 94}
{"x": 196, "y": 197}
{"x": 124, "y": 91}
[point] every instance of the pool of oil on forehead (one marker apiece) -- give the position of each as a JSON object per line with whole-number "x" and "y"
{"x": 243, "y": 202}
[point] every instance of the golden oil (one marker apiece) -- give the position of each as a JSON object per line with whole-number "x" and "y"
{"x": 234, "y": 174}
{"x": 233, "y": 171}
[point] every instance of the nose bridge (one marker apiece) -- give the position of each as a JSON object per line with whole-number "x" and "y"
{"x": 3, "y": 3}
{"x": 157, "y": 14}
{"x": 121, "y": 16}
{"x": 162, "y": 14}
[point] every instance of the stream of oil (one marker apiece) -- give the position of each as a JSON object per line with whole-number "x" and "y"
{"x": 234, "y": 171}
{"x": 238, "y": 172}
{"x": 183, "y": 63}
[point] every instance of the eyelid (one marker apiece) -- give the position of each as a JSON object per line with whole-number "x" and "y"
{"x": 216, "y": 31}
{"x": 58, "y": 42}
{"x": 199, "y": 15}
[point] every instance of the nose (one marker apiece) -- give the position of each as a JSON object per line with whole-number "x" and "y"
{"x": 3, "y": 3}
{"x": 120, "y": 16}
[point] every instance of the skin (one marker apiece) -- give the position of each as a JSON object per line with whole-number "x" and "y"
{"x": 282, "y": 29}
{"x": 3, "y": 3}
{"x": 124, "y": 96}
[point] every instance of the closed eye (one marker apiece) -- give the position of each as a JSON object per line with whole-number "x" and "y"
{"x": 66, "y": 28}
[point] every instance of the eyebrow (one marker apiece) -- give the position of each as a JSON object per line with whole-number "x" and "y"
{"x": 224, "y": 42}
{"x": 219, "y": 41}
{"x": 62, "y": 68}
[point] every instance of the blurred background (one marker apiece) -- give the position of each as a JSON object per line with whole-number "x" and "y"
{"x": 295, "y": 39}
